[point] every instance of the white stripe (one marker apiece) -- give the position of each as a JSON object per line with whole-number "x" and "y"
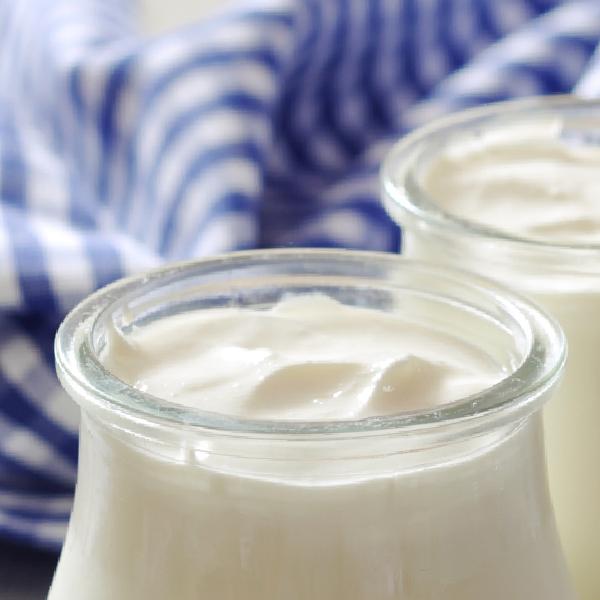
{"x": 69, "y": 270}
{"x": 61, "y": 408}
{"x": 107, "y": 15}
{"x": 47, "y": 504}
{"x": 126, "y": 114}
{"x": 134, "y": 256}
{"x": 510, "y": 14}
{"x": 46, "y": 184}
{"x": 10, "y": 289}
{"x": 36, "y": 453}
{"x": 165, "y": 53}
{"x": 92, "y": 81}
{"x": 224, "y": 234}
{"x": 51, "y": 531}
{"x": 17, "y": 357}
{"x": 344, "y": 224}
{"x": 367, "y": 186}
{"x": 229, "y": 176}
{"x": 344, "y": 227}
{"x": 240, "y": 36}
{"x": 575, "y": 18}
{"x": 528, "y": 47}
{"x": 23, "y": 366}
{"x": 214, "y": 131}
{"x": 192, "y": 90}
{"x": 198, "y": 87}
{"x": 47, "y": 531}
{"x": 589, "y": 84}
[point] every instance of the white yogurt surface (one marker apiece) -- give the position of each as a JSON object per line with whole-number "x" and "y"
{"x": 214, "y": 516}
{"x": 307, "y": 358}
{"x": 526, "y": 180}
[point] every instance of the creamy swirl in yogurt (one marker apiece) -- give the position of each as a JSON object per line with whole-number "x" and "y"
{"x": 531, "y": 180}
{"x": 308, "y": 357}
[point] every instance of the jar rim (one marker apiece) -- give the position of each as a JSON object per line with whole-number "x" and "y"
{"x": 519, "y": 393}
{"x": 402, "y": 195}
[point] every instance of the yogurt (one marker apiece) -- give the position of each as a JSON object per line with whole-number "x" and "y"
{"x": 512, "y": 191}
{"x": 527, "y": 179}
{"x": 295, "y": 485}
{"x": 307, "y": 358}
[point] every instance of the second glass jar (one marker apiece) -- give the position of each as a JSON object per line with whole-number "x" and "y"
{"x": 563, "y": 277}
{"x": 449, "y": 502}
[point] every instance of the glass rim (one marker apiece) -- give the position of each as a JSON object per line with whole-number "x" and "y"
{"x": 84, "y": 376}
{"x": 402, "y": 193}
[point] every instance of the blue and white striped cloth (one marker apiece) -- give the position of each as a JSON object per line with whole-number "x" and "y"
{"x": 263, "y": 126}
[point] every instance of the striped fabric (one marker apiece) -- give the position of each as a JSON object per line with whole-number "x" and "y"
{"x": 263, "y": 126}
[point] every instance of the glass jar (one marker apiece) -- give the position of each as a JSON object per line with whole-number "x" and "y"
{"x": 450, "y": 502}
{"x": 564, "y": 278}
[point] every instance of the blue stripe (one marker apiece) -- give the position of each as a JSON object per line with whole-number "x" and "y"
{"x": 81, "y": 209}
{"x": 29, "y": 538}
{"x": 286, "y": 110}
{"x": 19, "y": 476}
{"x": 329, "y": 90}
{"x": 104, "y": 259}
{"x": 544, "y": 78}
{"x": 253, "y": 17}
{"x": 33, "y": 517}
{"x": 204, "y": 161}
{"x": 13, "y": 174}
{"x": 238, "y": 102}
{"x": 39, "y": 328}
{"x": 18, "y": 407}
{"x": 116, "y": 85}
{"x": 454, "y": 48}
{"x": 569, "y": 45}
{"x": 75, "y": 92}
{"x": 264, "y": 57}
{"x": 407, "y": 59}
{"x": 30, "y": 262}
{"x": 380, "y": 119}
{"x": 35, "y": 494}
{"x": 231, "y": 203}
{"x": 487, "y": 24}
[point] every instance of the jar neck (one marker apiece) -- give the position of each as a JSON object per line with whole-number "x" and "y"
{"x": 292, "y": 456}
{"x": 539, "y": 269}
{"x": 429, "y": 213}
